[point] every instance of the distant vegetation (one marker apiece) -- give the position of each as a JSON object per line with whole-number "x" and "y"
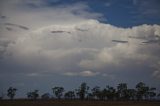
{"x": 84, "y": 92}
{"x": 11, "y": 92}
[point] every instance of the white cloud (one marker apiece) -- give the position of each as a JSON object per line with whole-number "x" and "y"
{"x": 69, "y": 39}
{"x": 88, "y": 73}
{"x": 85, "y": 46}
{"x": 83, "y": 73}
{"x": 19, "y": 12}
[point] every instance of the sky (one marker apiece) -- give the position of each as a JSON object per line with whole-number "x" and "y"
{"x": 47, "y": 43}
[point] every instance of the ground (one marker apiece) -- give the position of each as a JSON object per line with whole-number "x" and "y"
{"x": 77, "y": 103}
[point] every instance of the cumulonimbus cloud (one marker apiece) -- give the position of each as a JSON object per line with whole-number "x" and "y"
{"x": 62, "y": 41}
{"x": 87, "y": 45}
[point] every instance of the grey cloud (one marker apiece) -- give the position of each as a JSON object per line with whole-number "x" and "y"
{"x": 2, "y": 17}
{"x": 119, "y": 41}
{"x": 9, "y": 29}
{"x": 4, "y": 43}
{"x": 15, "y": 25}
{"x": 57, "y": 31}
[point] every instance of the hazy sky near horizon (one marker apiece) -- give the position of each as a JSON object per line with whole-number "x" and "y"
{"x": 47, "y": 43}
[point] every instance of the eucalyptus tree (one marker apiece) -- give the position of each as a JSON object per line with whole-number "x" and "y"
{"x": 142, "y": 91}
{"x": 151, "y": 93}
{"x": 11, "y": 92}
{"x": 69, "y": 95}
{"x": 122, "y": 90}
{"x": 130, "y": 94}
{"x": 58, "y": 92}
{"x": 82, "y": 90}
{"x": 96, "y": 92}
{"x": 110, "y": 92}
{"x": 33, "y": 95}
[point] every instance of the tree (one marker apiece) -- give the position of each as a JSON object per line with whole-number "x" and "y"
{"x": 122, "y": 90}
{"x": 45, "y": 96}
{"x": 142, "y": 91}
{"x": 90, "y": 96}
{"x": 97, "y": 93}
{"x": 103, "y": 94}
{"x": 33, "y": 95}
{"x": 130, "y": 94}
{"x": 151, "y": 92}
{"x": 58, "y": 92}
{"x": 69, "y": 95}
{"x": 110, "y": 93}
{"x": 11, "y": 92}
{"x": 82, "y": 90}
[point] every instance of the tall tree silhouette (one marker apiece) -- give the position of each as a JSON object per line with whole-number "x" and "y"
{"x": 97, "y": 93}
{"x": 142, "y": 91}
{"x": 11, "y": 92}
{"x": 110, "y": 92}
{"x": 151, "y": 93}
{"x": 58, "y": 92}
{"x": 82, "y": 90}
{"x": 122, "y": 90}
{"x": 33, "y": 95}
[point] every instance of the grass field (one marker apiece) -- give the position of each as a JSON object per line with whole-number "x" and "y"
{"x": 76, "y": 103}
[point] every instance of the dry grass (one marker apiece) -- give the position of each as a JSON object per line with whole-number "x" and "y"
{"x": 76, "y": 103}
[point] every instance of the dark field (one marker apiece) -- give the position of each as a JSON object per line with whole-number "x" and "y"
{"x": 76, "y": 103}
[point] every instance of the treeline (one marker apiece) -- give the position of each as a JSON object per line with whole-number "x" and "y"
{"x": 84, "y": 92}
